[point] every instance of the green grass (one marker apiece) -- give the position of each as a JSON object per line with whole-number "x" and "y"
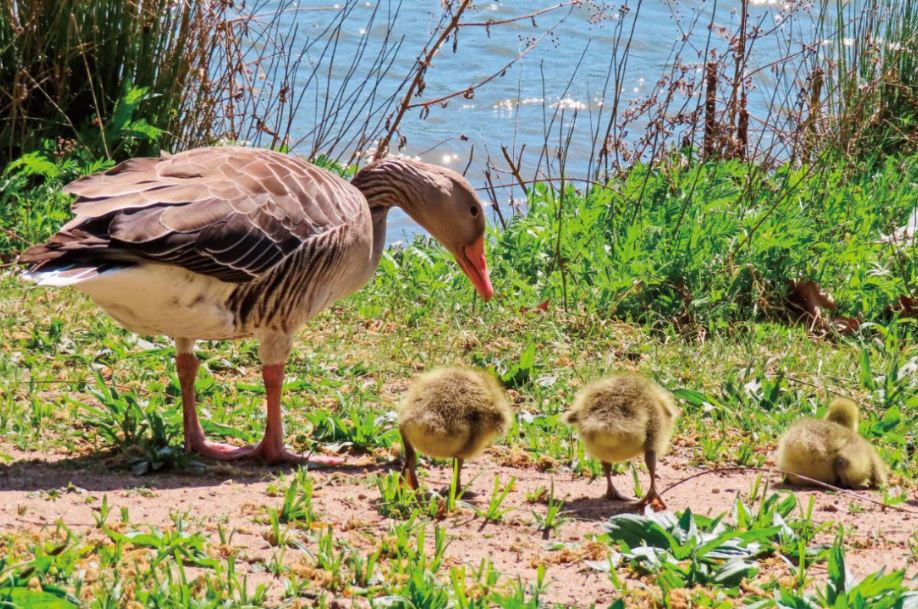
{"x": 706, "y": 245}
{"x": 752, "y": 380}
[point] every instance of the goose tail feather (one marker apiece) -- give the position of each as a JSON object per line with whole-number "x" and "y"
{"x": 70, "y": 274}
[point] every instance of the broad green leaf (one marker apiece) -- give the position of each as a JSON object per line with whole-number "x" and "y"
{"x": 638, "y": 530}
{"x": 696, "y": 398}
{"x": 22, "y": 597}
{"x": 734, "y": 571}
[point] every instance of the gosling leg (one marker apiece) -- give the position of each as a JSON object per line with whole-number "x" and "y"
{"x": 651, "y": 498}
{"x": 409, "y": 464}
{"x": 611, "y": 491}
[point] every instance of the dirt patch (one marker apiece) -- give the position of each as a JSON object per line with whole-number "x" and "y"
{"x": 37, "y": 491}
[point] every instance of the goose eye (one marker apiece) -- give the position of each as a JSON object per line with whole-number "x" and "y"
{"x": 474, "y": 212}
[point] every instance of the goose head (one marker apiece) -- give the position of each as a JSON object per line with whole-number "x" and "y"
{"x": 455, "y": 217}
{"x": 439, "y": 199}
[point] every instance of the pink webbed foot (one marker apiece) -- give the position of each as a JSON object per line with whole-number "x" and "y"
{"x": 274, "y": 454}
{"x": 266, "y": 453}
{"x": 217, "y": 450}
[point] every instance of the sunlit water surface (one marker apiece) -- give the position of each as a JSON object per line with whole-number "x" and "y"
{"x": 568, "y": 70}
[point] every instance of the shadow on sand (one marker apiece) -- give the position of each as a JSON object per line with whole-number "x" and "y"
{"x": 597, "y": 508}
{"x": 110, "y": 471}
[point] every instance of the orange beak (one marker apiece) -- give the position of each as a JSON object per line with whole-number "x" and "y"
{"x": 473, "y": 264}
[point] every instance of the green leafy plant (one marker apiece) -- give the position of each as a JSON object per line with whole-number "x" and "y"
{"x": 168, "y": 543}
{"x": 494, "y": 512}
{"x": 879, "y": 590}
{"x": 100, "y": 516}
{"x": 297, "y": 506}
{"x": 330, "y": 558}
{"x": 18, "y": 595}
{"x": 357, "y": 429}
{"x": 397, "y": 500}
{"x": 689, "y": 549}
{"x": 554, "y": 516}
{"x": 515, "y": 372}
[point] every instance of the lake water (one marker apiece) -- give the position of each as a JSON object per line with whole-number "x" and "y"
{"x": 567, "y": 72}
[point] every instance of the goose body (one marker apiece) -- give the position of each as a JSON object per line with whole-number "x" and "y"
{"x": 233, "y": 242}
{"x": 214, "y": 243}
{"x": 158, "y": 299}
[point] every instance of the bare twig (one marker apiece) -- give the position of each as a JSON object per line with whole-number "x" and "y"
{"x": 515, "y": 168}
{"x": 13, "y": 234}
{"x": 469, "y": 91}
{"x": 532, "y": 15}
{"x": 494, "y": 201}
{"x": 417, "y": 83}
{"x": 465, "y": 171}
{"x": 92, "y": 90}
{"x": 542, "y": 179}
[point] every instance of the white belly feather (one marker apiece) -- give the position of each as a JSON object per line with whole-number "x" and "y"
{"x": 160, "y": 299}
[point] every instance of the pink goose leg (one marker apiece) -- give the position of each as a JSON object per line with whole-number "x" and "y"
{"x": 187, "y": 365}
{"x": 271, "y": 448}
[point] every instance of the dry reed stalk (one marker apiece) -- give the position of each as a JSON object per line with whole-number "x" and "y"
{"x": 813, "y": 115}
{"x": 711, "y": 132}
{"x": 742, "y": 126}
{"x": 417, "y": 83}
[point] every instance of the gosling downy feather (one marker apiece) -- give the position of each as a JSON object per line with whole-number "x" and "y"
{"x": 454, "y": 413}
{"x": 830, "y": 450}
{"x": 623, "y": 416}
{"x": 844, "y": 412}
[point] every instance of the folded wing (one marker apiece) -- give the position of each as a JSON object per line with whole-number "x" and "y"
{"x": 230, "y": 213}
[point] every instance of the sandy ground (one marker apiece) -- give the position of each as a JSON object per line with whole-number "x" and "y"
{"x": 235, "y": 496}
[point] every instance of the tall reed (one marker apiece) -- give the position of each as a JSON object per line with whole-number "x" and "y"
{"x": 189, "y": 73}
{"x": 872, "y": 70}
{"x": 64, "y": 64}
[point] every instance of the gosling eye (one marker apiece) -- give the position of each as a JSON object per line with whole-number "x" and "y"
{"x": 474, "y": 212}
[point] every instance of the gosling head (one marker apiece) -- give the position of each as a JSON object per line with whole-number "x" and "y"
{"x": 844, "y": 412}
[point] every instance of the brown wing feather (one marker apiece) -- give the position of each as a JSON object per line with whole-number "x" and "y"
{"x": 231, "y": 213}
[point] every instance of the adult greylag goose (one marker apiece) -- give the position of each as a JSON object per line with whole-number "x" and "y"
{"x": 232, "y": 242}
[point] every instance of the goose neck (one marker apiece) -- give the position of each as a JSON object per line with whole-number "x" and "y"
{"x": 390, "y": 183}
